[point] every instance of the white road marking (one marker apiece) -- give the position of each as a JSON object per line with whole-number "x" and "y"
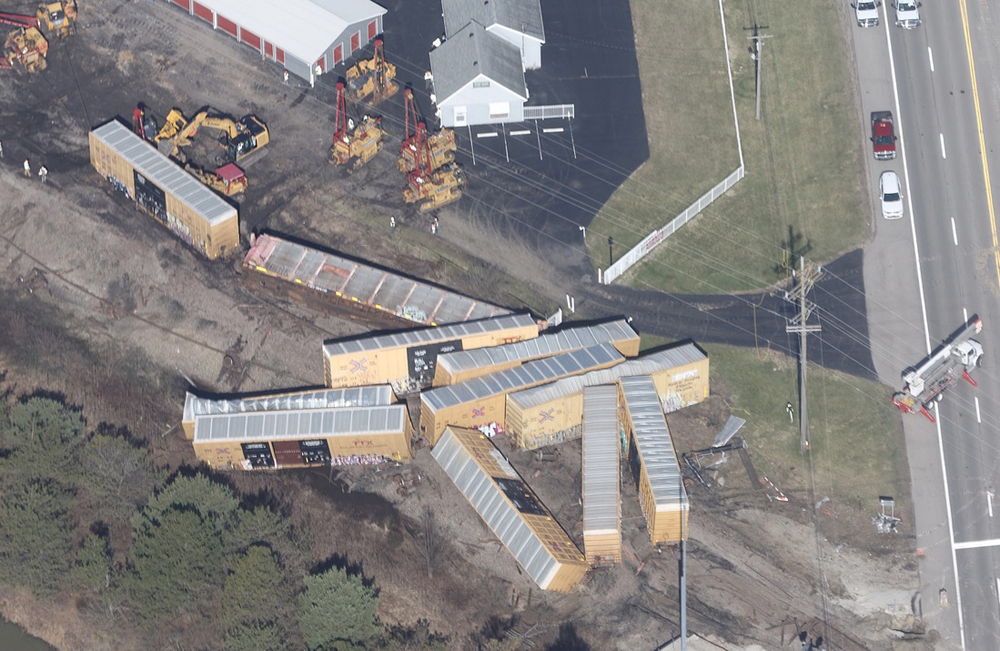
{"x": 930, "y": 55}
{"x": 524, "y": 132}
{"x": 978, "y": 544}
{"x": 965, "y": 313}
{"x": 989, "y": 501}
{"x": 927, "y": 331}
{"x": 954, "y": 232}
{"x": 487, "y": 134}
{"x": 979, "y": 419}
{"x": 553, "y": 130}
{"x": 943, "y": 153}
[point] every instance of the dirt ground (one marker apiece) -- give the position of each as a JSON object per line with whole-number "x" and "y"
{"x": 759, "y": 570}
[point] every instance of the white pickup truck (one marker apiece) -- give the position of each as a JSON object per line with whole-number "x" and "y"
{"x": 907, "y": 13}
{"x": 866, "y": 12}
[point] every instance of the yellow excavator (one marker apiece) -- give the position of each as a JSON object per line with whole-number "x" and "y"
{"x": 27, "y": 47}
{"x": 240, "y": 138}
{"x": 360, "y": 143}
{"x": 59, "y": 17}
{"x": 374, "y": 76}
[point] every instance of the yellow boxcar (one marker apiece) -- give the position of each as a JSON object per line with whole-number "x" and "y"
{"x": 602, "y": 517}
{"x": 553, "y": 413}
{"x": 195, "y": 406}
{"x": 482, "y": 401}
{"x": 461, "y": 366}
{"x": 161, "y": 188}
{"x": 304, "y": 437}
{"x": 511, "y": 510}
{"x": 406, "y": 359}
{"x": 652, "y": 462}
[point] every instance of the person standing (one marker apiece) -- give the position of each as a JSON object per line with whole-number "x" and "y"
{"x": 43, "y": 174}
{"x": 284, "y": 76}
{"x": 27, "y": 168}
{"x": 1, "y": 149}
{"x": 392, "y": 225}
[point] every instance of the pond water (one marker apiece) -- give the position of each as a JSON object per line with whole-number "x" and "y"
{"x": 13, "y": 638}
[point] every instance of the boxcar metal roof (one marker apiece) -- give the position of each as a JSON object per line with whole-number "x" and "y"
{"x": 546, "y": 345}
{"x": 409, "y": 338}
{"x": 652, "y": 438}
{"x": 652, "y": 363}
{"x": 302, "y": 28}
{"x": 330, "y": 273}
{"x": 524, "y": 16}
{"x": 530, "y": 374}
{"x": 472, "y": 52}
{"x": 375, "y": 396}
{"x": 300, "y": 424}
{"x": 600, "y": 459}
{"x": 475, "y": 465}
{"x": 165, "y": 173}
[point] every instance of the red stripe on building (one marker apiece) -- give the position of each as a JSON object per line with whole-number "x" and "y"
{"x": 203, "y": 12}
{"x": 355, "y": 42}
{"x": 268, "y": 49}
{"x": 338, "y": 54}
{"x": 250, "y": 38}
{"x": 226, "y": 25}
{"x": 183, "y": 3}
{"x": 321, "y": 63}
{"x": 372, "y": 27}
{"x": 279, "y": 54}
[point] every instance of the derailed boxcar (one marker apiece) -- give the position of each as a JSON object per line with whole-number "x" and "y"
{"x": 160, "y": 187}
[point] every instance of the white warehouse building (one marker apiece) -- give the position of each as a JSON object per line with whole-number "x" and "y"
{"x": 518, "y": 22}
{"x": 478, "y": 79}
{"x": 307, "y": 37}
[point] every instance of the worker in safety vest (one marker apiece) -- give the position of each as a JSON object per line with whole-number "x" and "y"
{"x": 27, "y": 168}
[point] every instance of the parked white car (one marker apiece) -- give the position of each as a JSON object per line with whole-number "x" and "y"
{"x": 892, "y": 199}
{"x": 866, "y": 12}
{"x": 907, "y": 13}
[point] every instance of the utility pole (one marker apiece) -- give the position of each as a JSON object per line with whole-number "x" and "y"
{"x": 755, "y": 52}
{"x": 805, "y": 278}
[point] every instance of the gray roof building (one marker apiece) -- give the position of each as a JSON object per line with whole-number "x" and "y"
{"x": 523, "y": 16}
{"x": 473, "y": 55}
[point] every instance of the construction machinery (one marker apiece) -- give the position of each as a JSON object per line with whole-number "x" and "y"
{"x": 360, "y": 143}
{"x": 239, "y": 138}
{"x": 58, "y": 17}
{"x": 229, "y": 179}
{"x": 373, "y": 77}
{"x": 434, "y": 189}
{"x": 144, "y": 124}
{"x": 420, "y": 150}
{"x": 24, "y": 45}
{"x": 926, "y": 383}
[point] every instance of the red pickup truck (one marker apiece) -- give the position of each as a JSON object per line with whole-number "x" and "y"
{"x": 883, "y": 135}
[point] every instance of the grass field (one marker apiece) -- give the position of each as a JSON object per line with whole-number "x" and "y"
{"x": 689, "y": 122}
{"x": 802, "y": 158}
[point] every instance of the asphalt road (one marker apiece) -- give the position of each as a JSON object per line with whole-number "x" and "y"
{"x": 927, "y": 274}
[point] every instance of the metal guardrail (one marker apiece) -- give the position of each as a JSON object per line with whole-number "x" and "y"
{"x": 651, "y": 241}
{"x": 550, "y": 112}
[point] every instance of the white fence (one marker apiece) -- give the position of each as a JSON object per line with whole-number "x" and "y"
{"x": 650, "y": 242}
{"x": 550, "y": 112}
{"x": 656, "y": 237}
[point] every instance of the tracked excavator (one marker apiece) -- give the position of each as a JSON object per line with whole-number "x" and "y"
{"x": 59, "y": 18}
{"x": 437, "y": 148}
{"x": 360, "y": 143}
{"x": 374, "y": 77}
{"x": 24, "y": 46}
{"x": 239, "y": 138}
{"x": 228, "y": 179}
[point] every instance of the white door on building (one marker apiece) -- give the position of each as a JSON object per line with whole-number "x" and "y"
{"x": 461, "y": 116}
{"x": 499, "y": 110}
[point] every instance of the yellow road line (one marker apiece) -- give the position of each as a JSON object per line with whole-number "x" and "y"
{"x": 982, "y": 138}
